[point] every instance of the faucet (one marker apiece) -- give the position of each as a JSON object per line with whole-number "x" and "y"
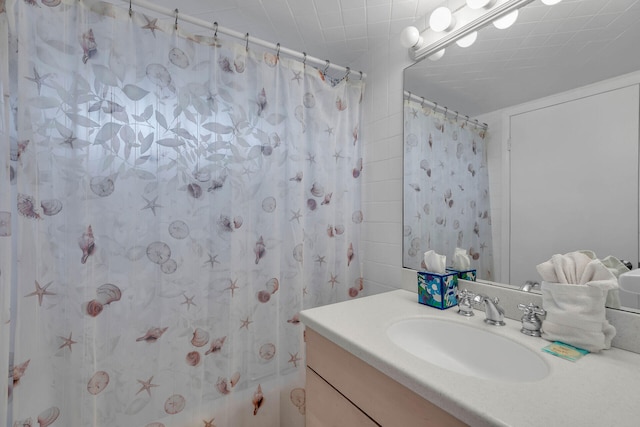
{"x": 493, "y": 312}
{"x": 529, "y": 285}
{"x": 465, "y": 306}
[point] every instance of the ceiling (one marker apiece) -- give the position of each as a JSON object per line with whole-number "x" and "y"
{"x": 550, "y": 48}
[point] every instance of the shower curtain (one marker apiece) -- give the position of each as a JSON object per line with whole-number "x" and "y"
{"x": 169, "y": 202}
{"x": 446, "y": 189}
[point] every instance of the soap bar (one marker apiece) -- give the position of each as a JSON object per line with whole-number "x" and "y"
{"x": 565, "y": 351}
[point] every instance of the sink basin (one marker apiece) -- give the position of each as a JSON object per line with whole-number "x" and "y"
{"x": 467, "y": 350}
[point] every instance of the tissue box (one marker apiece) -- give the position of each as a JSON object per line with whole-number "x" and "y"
{"x": 464, "y": 274}
{"x": 438, "y": 290}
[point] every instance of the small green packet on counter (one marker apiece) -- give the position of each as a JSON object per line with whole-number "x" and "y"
{"x": 565, "y": 351}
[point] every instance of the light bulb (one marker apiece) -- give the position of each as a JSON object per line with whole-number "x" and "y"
{"x": 506, "y": 21}
{"x": 441, "y": 19}
{"x": 467, "y": 40}
{"x": 551, "y": 2}
{"x": 439, "y": 54}
{"x": 410, "y": 37}
{"x": 479, "y": 4}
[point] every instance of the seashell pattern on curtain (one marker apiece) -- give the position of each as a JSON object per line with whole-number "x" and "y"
{"x": 446, "y": 190}
{"x": 173, "y": 202}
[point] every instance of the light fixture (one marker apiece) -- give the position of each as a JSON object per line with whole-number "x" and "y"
{"x": 464, "y": 21}
{"x": 467, "y": 40}
{"x": 506, "y": 21}
{"x": 480, "y": 4}
{"x": 441, "y": 19}
{"x": 439, "y": 54}
{"x": 551, "y": 2}
{"x": 410, "y": 37}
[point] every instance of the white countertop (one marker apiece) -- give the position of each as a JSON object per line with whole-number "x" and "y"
{"x": 600, "y": 389}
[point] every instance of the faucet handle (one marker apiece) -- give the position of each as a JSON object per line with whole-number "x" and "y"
{"x": 465, "y": 307}
{"x": 532, "y": 309}
{"x": 531, "y": 323}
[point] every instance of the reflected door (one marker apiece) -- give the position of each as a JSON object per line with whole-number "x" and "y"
{"x": 574, "y": 181}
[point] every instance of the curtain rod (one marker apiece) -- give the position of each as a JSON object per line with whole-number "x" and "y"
{"x": 323, "y": 64}
{"x": 444, "y": 110}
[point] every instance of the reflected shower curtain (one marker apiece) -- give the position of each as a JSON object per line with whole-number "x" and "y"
{"x": 446, "y": 189}
{"x": 168, "y": 204}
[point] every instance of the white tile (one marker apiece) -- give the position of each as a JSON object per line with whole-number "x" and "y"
{"x": 354, "y": 17}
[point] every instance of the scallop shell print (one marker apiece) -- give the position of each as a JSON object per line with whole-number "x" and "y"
{"x": 200, "y": 338}
{"x": 51, "y": 3}
{"x": 108, "y": 293}
{"x": 48, "y": 416}
{"x": 193, "y": 358}
{"x": 98, "y": 382}
{"x": 51, "y": 207}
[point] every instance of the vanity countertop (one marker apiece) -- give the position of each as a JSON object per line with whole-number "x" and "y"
{"x": 600, "y": 389}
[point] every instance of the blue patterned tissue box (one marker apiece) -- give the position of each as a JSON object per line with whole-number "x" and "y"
{"x": 464, "y": 274}
{"x": 438, "y": 290}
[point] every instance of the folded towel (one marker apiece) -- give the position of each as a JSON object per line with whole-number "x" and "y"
{"x": 582, "y": 267}
{"x": 461, "y": 260}
{"x": 435, "y": 263}
{"x": 575, "y": 288}
{"x": 576, "y": 315}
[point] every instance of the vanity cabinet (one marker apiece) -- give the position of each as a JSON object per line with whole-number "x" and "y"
{"x": 342, "y": 390}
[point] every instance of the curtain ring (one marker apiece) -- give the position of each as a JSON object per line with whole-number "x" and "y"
{"x": 246, "y": 46}
{"x": 278, "y": 51}
{"x": 361, "y": 75}
{"x": 176, "y": 24}
{"x": 346, "y": 76}
{"x": 446, "y": 110}
{"x": 304, "y": 59}
{"x": 435, "y": 107}
{"x": 422, "y": 103}
{"x": 476, "y": 123}
{"x": 215, "y": 30}
{"x": 328, "y": 64}
{"x": 130, "y": 9}
{"x": 457, "y": 114}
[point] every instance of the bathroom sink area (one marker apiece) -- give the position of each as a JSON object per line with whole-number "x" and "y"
{"x": 484, "y": 375}
{"x": 467, "y": 349}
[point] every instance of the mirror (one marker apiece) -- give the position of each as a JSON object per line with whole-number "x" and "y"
{"x": 550, "y": 50}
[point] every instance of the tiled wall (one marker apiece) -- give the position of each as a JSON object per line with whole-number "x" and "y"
{"x": 382, "y": 187}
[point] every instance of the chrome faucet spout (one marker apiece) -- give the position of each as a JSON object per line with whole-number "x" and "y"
{"x": 529, "y": 285}
{"x": 493, "y": 312}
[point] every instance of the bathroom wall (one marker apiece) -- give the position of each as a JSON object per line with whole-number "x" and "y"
{"x": 382, "y": 187}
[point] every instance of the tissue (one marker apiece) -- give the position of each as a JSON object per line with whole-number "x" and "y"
{"x": 461, "y": 260}
{"x": 435, "y": 263}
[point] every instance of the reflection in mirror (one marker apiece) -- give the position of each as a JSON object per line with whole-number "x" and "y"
{"x": 446, "y": 187}
{"x": 547, "y": 52}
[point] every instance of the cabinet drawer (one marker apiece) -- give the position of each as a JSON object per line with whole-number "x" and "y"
{"x": 385, "y": 400}
{"x": 326, "y": 407}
